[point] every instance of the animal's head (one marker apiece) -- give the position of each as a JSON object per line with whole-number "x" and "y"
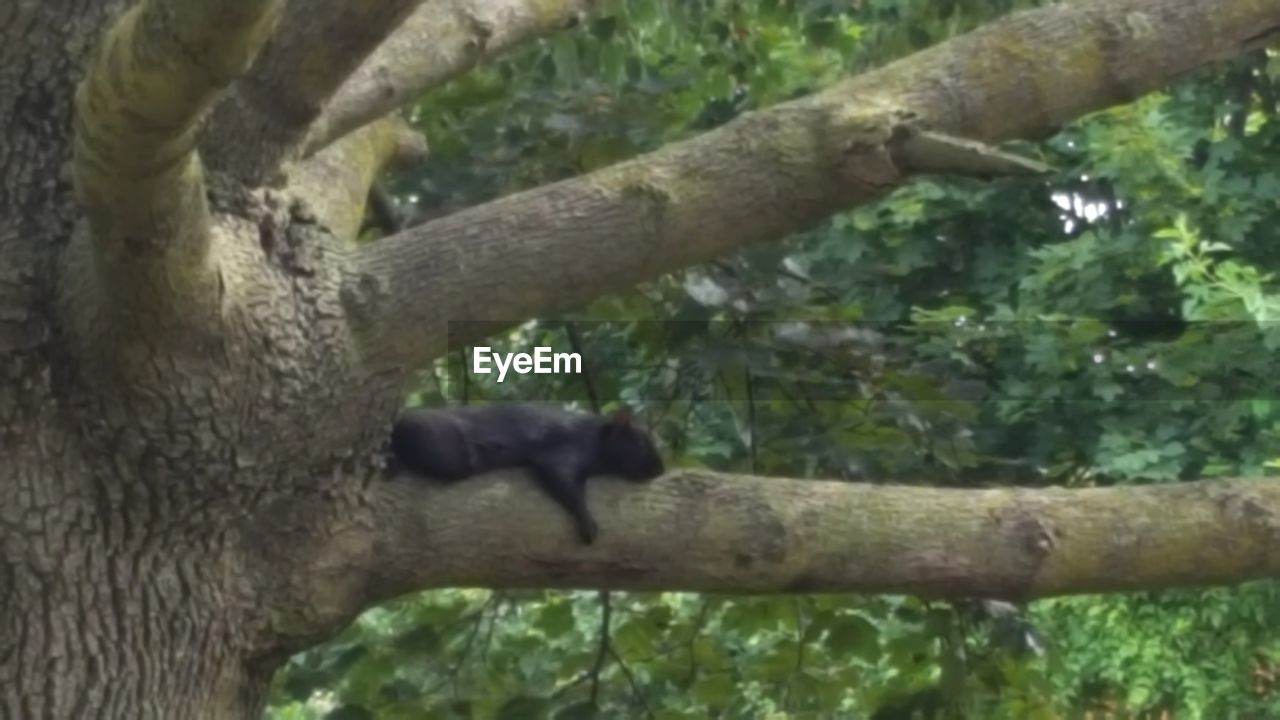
{"x": 631, "y": 452}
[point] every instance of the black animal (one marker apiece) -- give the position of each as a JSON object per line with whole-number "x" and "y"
{"x": 561, "y": 448}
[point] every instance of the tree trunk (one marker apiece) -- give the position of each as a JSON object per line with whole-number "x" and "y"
{"x": 126, "y": 587}
{"x": 117, "y": 620}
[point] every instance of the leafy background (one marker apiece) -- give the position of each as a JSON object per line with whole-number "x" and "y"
{"x": 1110, "y": 324}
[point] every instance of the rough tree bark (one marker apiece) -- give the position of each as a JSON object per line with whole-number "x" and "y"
{"x": 198, "y": 368}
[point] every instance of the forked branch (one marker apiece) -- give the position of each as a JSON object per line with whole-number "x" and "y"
{"x": 138, "y": 112}
{"x": 781, "y": 170}
{"x": 262, "y": 126}
{"x": 438, "y": 42}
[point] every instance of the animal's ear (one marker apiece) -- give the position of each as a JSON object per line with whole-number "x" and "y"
{"x": 616, "y": 424}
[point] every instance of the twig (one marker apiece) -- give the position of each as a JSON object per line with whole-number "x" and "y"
{"x": 588, "y": 377}
{"x": 606, "y": 615}
{"x": 631, "y": 680}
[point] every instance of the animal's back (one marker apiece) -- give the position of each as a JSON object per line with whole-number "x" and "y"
{"x": 451, "y": 443}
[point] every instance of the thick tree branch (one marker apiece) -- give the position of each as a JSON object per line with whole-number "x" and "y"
{"x": 774, "y": 172}
{"x": 135, "y": 168}
{"x": 263, "y": 124}
{"x": 707, "y": 532}
{"x": 438, "y": 42}
{"x": 336, "y": 182}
